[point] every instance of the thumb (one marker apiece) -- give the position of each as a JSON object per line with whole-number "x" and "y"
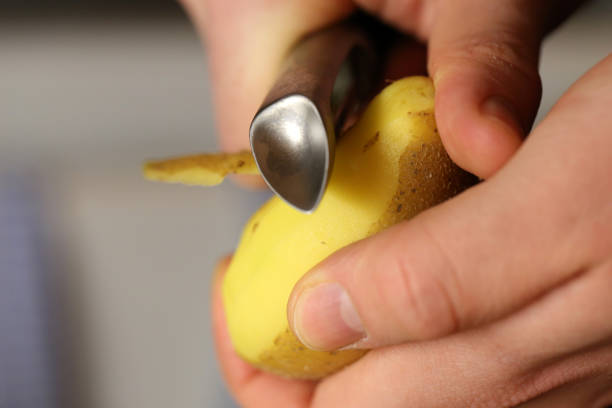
{"x": 441, "y": 272}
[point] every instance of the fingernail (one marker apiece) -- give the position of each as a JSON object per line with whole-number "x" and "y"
{"x": 501, "y": 109}
{"x": 324, "y": 318}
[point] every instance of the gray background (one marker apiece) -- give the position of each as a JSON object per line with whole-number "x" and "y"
{"x": 88, "y": 93}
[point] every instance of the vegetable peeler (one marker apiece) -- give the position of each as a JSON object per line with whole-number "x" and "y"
{"x": 325, "y": 80}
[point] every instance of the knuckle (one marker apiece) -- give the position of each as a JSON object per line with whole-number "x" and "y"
{"x": 502, "y": 52}
{"x": 433, "y": 311}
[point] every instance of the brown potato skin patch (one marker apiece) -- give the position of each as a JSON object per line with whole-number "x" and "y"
{"x": 291, "y": 356}
{"x": 425, "y": 168}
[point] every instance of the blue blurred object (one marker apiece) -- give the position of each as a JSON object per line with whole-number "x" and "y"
{"x": 26, "y": 375}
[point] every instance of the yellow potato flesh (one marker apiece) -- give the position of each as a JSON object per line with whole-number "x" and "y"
{"x": 388, "y": 167}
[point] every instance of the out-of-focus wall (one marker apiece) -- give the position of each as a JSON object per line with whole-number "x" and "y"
{"x": 87, "y": 92}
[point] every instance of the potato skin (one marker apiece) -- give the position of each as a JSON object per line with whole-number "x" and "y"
{"x": 389, "y": 166}
{"x": 206, "y": 169}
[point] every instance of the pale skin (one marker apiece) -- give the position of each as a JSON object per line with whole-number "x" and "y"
{"x": 498, "y": 297}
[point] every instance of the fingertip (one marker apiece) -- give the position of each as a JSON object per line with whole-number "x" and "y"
{"x": 484, "y": 61}
{"x": 324, "y": 318}
{"x": 480, "y": 130}
{"x": 320, "y": 309}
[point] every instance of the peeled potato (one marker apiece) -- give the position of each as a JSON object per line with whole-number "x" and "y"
{"x": 389, "y": 166}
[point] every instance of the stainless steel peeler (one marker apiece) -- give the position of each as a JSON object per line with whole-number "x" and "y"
{"x": 325, "y": 80}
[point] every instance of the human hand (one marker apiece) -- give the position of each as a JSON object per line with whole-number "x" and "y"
{"x": 498, "y": 297}
{"x": 483, "y": 58}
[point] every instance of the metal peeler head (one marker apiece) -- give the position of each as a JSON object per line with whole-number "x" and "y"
{"x": 293, "y": 133}
{"x": 289, "y": 138}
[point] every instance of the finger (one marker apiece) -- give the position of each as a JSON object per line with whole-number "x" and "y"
{"x": 566, "y": 322}
{"x": 460, "y": 373}
{"x": 483, "y": 58}
{"x": 485, "y": 253}
{"x": 246, "y": 42}
{"x": 250, "y": 386}
{"x": 562, "y": 342}
{"x": 484, "y": 62}
{"x": 593, "y": 392}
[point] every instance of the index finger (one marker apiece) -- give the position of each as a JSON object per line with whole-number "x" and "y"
{"x": 246, "y": 42}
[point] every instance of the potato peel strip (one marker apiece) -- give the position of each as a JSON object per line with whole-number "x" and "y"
{"x": 202, "y": 169}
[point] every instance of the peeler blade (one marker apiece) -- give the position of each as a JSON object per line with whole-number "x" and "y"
{"x": 326, "y": 78}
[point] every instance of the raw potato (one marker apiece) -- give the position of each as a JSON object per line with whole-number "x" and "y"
{"x": 202, "y": 169}
{"x": 389, "y": 166}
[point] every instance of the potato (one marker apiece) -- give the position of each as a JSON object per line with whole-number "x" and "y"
{"x": 389, "y": 166}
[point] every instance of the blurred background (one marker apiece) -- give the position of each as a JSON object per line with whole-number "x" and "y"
{"x": 104, "y": 277}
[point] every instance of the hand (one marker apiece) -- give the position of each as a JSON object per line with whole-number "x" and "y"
{"x": 498, "y": 297}
{"x": 483, "y": 58}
